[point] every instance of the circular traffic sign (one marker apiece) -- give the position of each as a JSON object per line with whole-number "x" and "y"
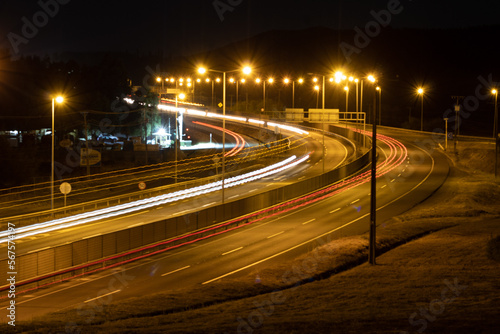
{"x": 142, "y": 185}
{"x": 65, "y": 188}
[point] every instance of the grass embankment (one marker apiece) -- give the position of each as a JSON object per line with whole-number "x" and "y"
{"x": 442, "y": 278}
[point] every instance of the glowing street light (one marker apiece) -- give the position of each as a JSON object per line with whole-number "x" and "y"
{"x": 287, "y": 81}
{"x": 346, "y": 88}
{"x": 246, "y": 70}
{"x": 495, "y": 130}
{"x": 59, "y": 100}
{"x": 316, "y": 88}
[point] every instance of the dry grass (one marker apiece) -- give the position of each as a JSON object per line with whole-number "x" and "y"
{"x": 447, "y": 241}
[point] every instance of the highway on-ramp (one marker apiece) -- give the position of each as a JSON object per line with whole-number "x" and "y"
{"x": 411, "y": 175}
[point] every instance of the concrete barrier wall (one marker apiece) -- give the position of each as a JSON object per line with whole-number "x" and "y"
{"x": 68, "y": 256}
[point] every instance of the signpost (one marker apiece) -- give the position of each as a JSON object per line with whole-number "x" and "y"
{"x": 65, "y": 189}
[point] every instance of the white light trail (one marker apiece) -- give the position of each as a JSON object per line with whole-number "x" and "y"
{"x": 152, "y": 202}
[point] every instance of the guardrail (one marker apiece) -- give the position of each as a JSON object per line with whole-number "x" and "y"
{"x": 86, "y": 256}
{"x": 41, "y": 216}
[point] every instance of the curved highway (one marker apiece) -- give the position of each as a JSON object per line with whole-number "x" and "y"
{"x": 408, "y": 174}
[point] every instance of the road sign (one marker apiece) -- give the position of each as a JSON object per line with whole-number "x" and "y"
{"x": 220, "y": 105}
{"x": 142, "y": 185}
{"x": 94, "y": 157}
{"x": 65, "y": 188}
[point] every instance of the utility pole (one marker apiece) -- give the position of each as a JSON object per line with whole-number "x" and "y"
{"x": 457, "y": 120}
{"x": 373, "y": 197}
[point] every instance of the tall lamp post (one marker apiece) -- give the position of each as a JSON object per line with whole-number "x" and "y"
{"x": 495, "y": 130}
{"x": 58, "y": 99}
{"x": 316, "y": 88}
{"x": 177, "y": 137}
{"x": 379, "y": 90}
{"x": 315, "y": 80}
{"x": 420, "y": 91}
{"x": 373, "y": 202}
{"x": 287, "y": 81}
{"x": 270, "y": 81}
{"x": 246, "y": 70}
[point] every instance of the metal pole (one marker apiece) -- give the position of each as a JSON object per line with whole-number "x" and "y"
{"x": 176, "y": 136}
{"x": 373, "y": 204}
{"x": 237, "y": 99}
{"x": 224, "y": 134}
{"x": 446, "y": 134}
{"x": 264, "y": 95}
{"x": 422, "y": 114}
{"x": 496, "y": 134}
{"x": 380, "y": 106}
{"x": 213, "y": 107}
{"x": 52, "y": 161}
{"x": 361, "y": 100}
{"x": 357, "y": 97}
{"x": 293, "y": 94}
{"x": 323, "y": 147}
{"x": 495, "y": 123}
{"x": 323, "y": 92}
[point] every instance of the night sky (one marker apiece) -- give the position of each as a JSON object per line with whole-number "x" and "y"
{"x": 189, "y": 26}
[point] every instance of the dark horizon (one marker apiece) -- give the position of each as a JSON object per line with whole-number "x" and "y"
{"x": 188, "y": 27}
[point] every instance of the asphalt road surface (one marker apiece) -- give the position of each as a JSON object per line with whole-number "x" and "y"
{"x": 421, "y": 170}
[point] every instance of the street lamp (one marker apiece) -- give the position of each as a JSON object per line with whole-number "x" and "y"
{"x": 379, "y": 89}
{"x": 420, "y": 91}
{"x": 495, "y": 130}
{"x": 180, "y": 96}
{"x": 287, "y": 81}
{"x": 58, "y": 99}
{"x": 246, "y": 70}
{"x": 270, "y": 81}
{"x": 316, "y": 88}
{"x": 315, "y": 80}
{"x": 373, "y": 198}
